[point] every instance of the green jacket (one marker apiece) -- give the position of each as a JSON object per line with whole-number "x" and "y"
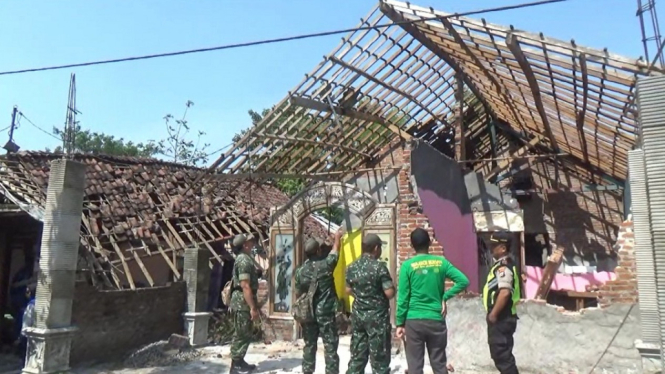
{"x": 421, "y": 287}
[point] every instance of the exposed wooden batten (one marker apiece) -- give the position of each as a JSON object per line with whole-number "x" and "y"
{"x": 514, "y": 46}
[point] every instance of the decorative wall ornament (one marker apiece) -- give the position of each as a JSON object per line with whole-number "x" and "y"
{"x": 321, "y": 196}
{"x": 381, "y": 216}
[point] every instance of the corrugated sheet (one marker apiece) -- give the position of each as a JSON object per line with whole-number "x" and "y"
{"x": 651, "y": 105}
{"x": 644, "y": 255}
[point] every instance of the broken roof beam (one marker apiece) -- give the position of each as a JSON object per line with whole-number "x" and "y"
{"x": 582, "y": 112}
{"x": 514, "y": 46}
{"x": 376, "y": 80}
{"x": 504, "y": 163}
{"x": 313, "y": 142}
{"x": 424, "y": 40}
{"x": 323, "y": 107}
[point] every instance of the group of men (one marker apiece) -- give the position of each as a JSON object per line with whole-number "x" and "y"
{"x": 421, "y": 305}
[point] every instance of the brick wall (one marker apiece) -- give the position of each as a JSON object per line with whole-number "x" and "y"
{"x": 113, "y": 323}
{"x": 622, "y": 290}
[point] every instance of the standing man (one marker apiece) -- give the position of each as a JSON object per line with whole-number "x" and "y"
{"x": 368, "y": 280}
{"x": 320, "y": 269}
{"x": 244, "y": 303}
{"x": 421, "y": 304}
{"x": 501, "y": 295}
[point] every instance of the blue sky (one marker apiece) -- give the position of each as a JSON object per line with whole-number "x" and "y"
{"x": 130, "y": 99}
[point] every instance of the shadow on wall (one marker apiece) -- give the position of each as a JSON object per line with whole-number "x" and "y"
{"x": 442, "y": 192}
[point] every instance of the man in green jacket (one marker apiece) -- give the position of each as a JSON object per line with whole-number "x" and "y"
{"x": 421, "y": 304}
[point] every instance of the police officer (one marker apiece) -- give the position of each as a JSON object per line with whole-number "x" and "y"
{"x": 319, "y": 268}
{"x": 368, "y": 280}
{"x": 244, "y": 303}
{"x": 501, "y": 295}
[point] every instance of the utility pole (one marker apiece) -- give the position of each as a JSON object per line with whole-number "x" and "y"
{"x": 69, "y": 141}
{"x": 10, "y": 146}
{"x": 646, "y": 12}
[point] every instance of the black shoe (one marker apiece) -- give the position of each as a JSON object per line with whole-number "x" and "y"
{"x": 241, "y": 367}
{"x": 250, "y": 367}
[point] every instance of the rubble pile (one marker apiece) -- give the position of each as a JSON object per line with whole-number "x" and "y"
{"x": 161, "y": 354}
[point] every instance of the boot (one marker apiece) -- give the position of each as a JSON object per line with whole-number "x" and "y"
{"x": 241, "y": 367}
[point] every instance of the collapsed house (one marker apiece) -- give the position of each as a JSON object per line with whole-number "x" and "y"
{"x": 139, "y": 215}
{"x": 463, "y": 127}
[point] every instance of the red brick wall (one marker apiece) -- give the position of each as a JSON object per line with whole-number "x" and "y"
{"x": 622, "y": 290}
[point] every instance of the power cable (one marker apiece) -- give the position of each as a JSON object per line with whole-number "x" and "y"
{"x": 38, "y": 128}
{"x": 283, "y": 39}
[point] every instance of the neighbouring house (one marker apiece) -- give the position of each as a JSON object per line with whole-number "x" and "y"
{"x": 138, "y": 217}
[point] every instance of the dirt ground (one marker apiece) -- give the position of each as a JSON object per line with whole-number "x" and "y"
{"x": 278, "y": 357}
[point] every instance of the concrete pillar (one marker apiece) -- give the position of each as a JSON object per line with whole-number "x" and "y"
{"x": 49, "y": 342}
{"x": 197, "y": 276}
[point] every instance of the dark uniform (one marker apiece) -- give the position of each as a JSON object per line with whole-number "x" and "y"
{"x": 244, "y": 269}
{"x": 325, "y": 309}
{"x": 368, "y": 278}
{"x": 502, "y": 275}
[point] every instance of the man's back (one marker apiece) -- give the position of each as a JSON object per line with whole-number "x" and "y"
{"x": 321, "y": 269}
{"x": 368, "y": 279}
{"x": 421, "y": 287}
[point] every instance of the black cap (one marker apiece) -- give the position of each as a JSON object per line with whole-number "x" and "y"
{"x": 420, "y": 238}
{"x": 500, "y": 237}
{"x": 373, "y": 240}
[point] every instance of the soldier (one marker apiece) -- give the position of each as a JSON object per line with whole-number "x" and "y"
{"x": 244, "y": 304}
{"x": 501, "y": 295}
{"x": 320, "y": 269}
{"x": 368, "y": 280}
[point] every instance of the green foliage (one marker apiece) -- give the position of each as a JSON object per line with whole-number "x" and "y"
{"x": 176, "y": 147}
{"x": 90, "y": 142}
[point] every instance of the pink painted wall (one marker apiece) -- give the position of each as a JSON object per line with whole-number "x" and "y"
{"x": 455, "y": 232}
{"x": 567, "y": 282}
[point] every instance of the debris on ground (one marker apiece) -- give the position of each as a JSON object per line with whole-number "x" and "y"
{"x": 161, "y": 354}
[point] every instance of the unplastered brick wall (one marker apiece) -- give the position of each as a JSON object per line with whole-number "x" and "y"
{"x": 622, "y": 290}
{"x": 274, "y": 329}
{"x": 114, "y": 323}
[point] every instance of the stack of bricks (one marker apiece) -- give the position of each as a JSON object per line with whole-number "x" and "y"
{"x": 622, "y": 290}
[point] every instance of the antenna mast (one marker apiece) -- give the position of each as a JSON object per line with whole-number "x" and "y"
{"x": 69, "y": 141}
{"x": 646, "y": 12}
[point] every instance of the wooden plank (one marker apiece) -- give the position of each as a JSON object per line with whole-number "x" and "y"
{"x": 86, "y": 223}
{"x": 551, "y": 268}
{"x": 505, "y": 162}
{"x": 170, "y": 263}
{"x": 322, "y": 107}
{"x": 381, "y": 83}
{"x": 459, "y": 126}
{"x": 514, "y": 46}
{"x": 582, "y": 112}
{"x": 118, "y": 251}
{"x": 313, "y": 142}
{"x": 147, "y": 275}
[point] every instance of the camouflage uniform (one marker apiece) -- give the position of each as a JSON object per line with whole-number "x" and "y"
{"x": 243, "y": 269}
{"x": 325, "y": 309}
{"x": 368, "y": 278}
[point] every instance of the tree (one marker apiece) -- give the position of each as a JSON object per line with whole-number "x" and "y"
{"x": 177, "y": 147}
{"x": 90, "y": 142}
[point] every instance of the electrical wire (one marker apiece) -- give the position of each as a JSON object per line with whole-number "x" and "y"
{"x": 39, "y": 128}
{"x": 283, "y": 39}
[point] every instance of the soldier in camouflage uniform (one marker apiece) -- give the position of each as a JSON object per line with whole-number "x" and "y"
{"x": 368, "y": 281}
{"x": 244, "y": 304}
{"x": 325, "y": 305}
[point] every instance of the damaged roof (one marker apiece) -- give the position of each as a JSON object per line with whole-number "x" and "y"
{"x": 401, "y": 81}
{"x": 135, "y": 207}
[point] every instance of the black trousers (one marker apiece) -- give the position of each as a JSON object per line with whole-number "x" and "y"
{"x": 500, "y": 339}
{"x": 421, "y": 334}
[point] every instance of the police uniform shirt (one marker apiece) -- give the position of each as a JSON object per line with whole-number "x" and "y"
{"x": 504, "y": 277}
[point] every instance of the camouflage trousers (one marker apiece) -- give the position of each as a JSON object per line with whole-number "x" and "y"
{"x": 371, "y": 338}
{"x": 242, "y": 334}
{"x": 326, "y": 328}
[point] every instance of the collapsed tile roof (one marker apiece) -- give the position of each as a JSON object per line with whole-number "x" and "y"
{"x": 135, "y": 207}
{"x": 555, "y": 97}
